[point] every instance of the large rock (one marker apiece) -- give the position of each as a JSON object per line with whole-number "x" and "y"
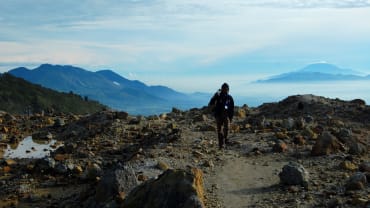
{"x": 115, "y": 183}
{"x": 288, "y": 123}
{"x": 356, "y": 148}
{"x": 365, "y": 167}
{"x": 59, "y": 122}
{"x": 356, "y": 182}
{"x": 294, "y": 174}
{"x": 174, "y": 188}
{"x": 326, "y": 144}
{"x": 9, "y": 118}
{"x": 121, "y": 115}
{"x": 45, "y": 164}
{"x": 92, "y": 172}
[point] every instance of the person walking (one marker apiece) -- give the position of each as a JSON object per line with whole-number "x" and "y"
{"x": 223, "y": 107}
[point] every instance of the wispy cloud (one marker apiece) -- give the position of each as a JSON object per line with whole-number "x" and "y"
{"x": 158, "y": 34}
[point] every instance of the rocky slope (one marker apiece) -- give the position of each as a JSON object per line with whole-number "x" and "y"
{"x": 305, "y": 151}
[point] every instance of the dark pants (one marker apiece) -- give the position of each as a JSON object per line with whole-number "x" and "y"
{"x": 222, "y": 130}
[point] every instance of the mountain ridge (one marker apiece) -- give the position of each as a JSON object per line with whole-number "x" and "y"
{"x": 316, "y": 73}
{"x": 109, "y": 88}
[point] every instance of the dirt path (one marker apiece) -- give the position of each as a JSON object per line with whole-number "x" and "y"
{"x": 243, "y": 182}
{"x": 246, "y": 181}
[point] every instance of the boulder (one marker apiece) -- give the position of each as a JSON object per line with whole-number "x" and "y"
{"x": 326, "y": 144}
{"x": 174, "y": 188}
{"x": 45, "y": 164}
{"x": 176, "y": 111}
{"x": 299, "y": 140}
{"x": 241, "y": 113}
{"x": 43, "y": 135}
{"x": 344, "y": 133}
{"x": 356, "y": 182}
{"x": 288, "y": 123}
{"x": 294, "y": 174}
{"x": 9, "y": 118}
{"x": 300, "y": 123}
{"x": 115, "y": 183}
{"x": 358, "y": 102}
{"x": 200, "y": 118}
{"x": 309, "y": 119}
{"x": 92, "y": 172}
{"x": 59, "y": 122}
{"x": 61, "y": 168}
{"x": 365, "y": 167}
{"x": 356, "y": 148}
{"x": 121, "y": 115}
{"x": 207, "y": 127}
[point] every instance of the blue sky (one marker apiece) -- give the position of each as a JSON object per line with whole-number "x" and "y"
{"x": 192, "y": 45}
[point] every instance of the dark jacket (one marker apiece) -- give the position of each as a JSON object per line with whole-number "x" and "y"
{"x": 223, "y": 105}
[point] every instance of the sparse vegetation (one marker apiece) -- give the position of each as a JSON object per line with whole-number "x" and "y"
{"x": 20, "y": 96}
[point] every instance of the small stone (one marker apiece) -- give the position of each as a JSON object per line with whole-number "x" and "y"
{"x": 142, "y": 177}
{"x": 281, "y": 135}
{"x": 359, "y": 201}
{"x": 7, "y": 169}
{"x": 60, "y": 157}
{"x": 293, "y": 189}
{"x": 332, "y": 203}
{"x": 198, "y": 154}
{"x": 163, "y": 116}
{"x": 209, "y": 163}
{"x": 309, "y": 133}
{"x": 365, "y": 167}
{"x": 162, "y": 166}
{"x": 280, "y": 146}
{"x": 121, "y": 196}
{"x": 348, "y": 165}
{"x": 78, "y": 169}
{"x": 299, "y": 140}
{"x": 10, "y": 162}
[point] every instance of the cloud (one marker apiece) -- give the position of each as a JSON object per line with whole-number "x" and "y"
{"x": 152, "y": 34}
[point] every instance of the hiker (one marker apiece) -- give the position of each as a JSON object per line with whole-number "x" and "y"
{"x": 223, "y": 108}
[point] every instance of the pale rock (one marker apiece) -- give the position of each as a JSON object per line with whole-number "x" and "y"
{"x": 294, "y": 174}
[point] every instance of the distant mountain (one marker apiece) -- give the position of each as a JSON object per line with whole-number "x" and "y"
{"x": 108, "y": 88}
{"x": 317, "y": 72}
{"x": 18, "y": 96}
{"x": 328, "y": 69}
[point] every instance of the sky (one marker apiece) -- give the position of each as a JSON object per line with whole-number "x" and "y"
{"x": 192, "y": 45}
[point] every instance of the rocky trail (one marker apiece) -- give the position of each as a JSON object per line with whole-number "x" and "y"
{"x": 304, "y": 151}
